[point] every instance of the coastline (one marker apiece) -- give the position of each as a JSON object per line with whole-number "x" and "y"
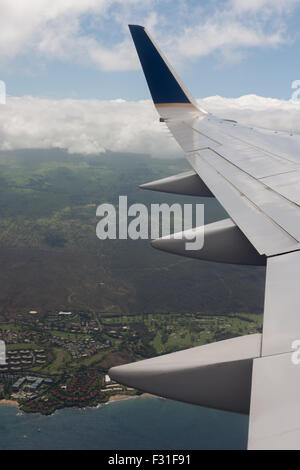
{"x": 113, "y": 398}
{"x": 9, "y": 402}
{"x": 128, "y": 397}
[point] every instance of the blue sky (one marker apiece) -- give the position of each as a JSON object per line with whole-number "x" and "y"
{"x": 82, "y": 48}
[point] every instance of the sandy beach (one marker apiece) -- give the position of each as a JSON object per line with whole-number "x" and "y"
{"x": 112, "y": 398}
{"x": 127, "y": 397}
{"x": 9, "y": 402}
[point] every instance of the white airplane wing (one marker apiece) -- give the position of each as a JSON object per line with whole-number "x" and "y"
{"x": 255, "y": 175}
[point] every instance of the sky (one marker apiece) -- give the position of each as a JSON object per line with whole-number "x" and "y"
{"x": 73, "y": 79}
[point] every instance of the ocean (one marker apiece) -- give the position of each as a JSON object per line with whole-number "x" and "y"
{"x": 142, "y": 423}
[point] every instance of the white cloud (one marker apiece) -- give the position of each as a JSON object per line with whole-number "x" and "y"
{"x": 257, "y": 111}
{"x": 85, "y": 126}
{"x": 233, "y": 27}
{"x": 226, "y": 37}
{"x": 91, "y": 126}
{"x": 266, "y": 6}
{"x": 94, "y": 32}
{"x": 23, "y": 24}
{"x": 54, "y": 30}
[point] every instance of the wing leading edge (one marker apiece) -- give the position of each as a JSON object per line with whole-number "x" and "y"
{"x": 255, "y": 174}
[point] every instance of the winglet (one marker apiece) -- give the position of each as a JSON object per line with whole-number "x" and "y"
{"x": 165, "y": 87}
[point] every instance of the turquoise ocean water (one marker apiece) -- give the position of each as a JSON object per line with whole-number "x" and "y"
{"x": 142, "y": 423}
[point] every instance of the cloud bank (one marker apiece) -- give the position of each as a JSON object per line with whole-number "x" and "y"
{"x": 94, "y": 126}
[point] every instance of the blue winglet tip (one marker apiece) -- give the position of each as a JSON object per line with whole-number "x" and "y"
{"x": 133, "y": 27}
{"x": 163, "y": 85}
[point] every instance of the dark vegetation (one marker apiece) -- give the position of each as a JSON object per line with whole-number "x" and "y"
{"x": 51, "y": 259}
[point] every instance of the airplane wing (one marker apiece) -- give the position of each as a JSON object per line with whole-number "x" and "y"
{"x": 255, "y": 175}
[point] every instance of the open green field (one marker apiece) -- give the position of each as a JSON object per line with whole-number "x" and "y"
{"x": 132, "y": 337}
{"x": 15, "y": 347}
{"x": 71, "y": 336}
{"x": 9, "y": 326}
{"x": 171, "y": 332}
{"x": 59, "y": 364}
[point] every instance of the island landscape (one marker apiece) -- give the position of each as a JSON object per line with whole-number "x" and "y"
{"x": 72, "y": 306}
